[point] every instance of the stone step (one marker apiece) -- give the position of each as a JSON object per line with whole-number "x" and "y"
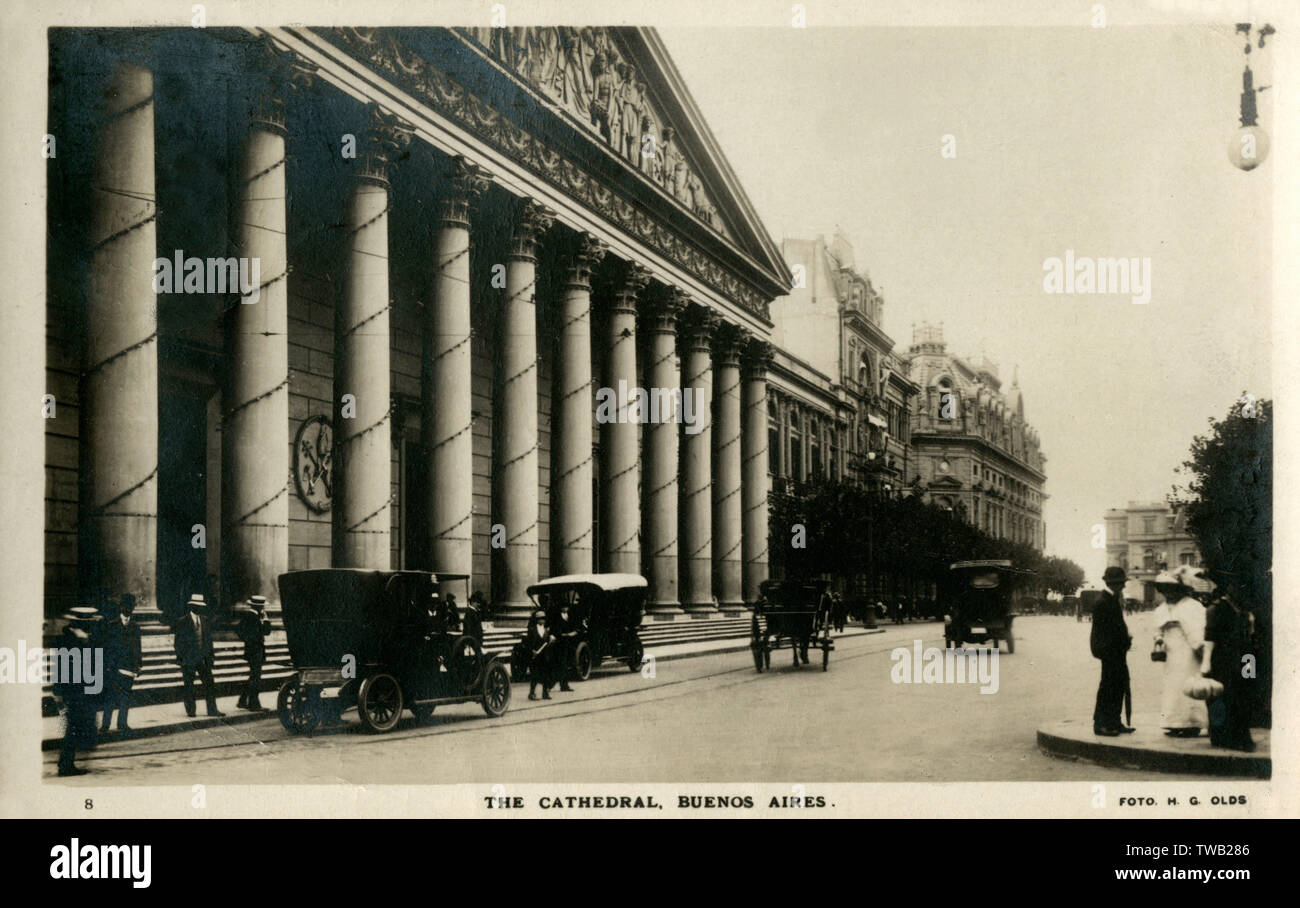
{"x": 160, "y": 679}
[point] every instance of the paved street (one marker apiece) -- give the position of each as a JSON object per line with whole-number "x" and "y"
{"x": 710, "y": 718}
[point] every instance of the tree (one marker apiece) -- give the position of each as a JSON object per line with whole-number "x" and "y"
{"x": 1228, "y": 500}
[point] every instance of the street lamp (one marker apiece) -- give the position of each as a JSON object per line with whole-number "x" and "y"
{"x": 1249, "y": 144}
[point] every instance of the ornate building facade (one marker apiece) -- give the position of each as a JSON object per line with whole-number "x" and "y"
{"x": 1145, "y": 538}
{"x": 840, "y": 398}
{"x": 462, "y": 236}
{"x": 973, "y": 449}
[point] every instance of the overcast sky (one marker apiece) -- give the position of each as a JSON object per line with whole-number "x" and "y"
{"x": 1110, "y": 142}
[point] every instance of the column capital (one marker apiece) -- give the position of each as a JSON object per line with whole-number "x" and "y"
{"x": 530, "y": 220}
{"x": 728, "y": 340}
{"x": 465, "y": 184}
{"x": 661, "y": 308}
{"x": 756, "y": 359}
{"x": 386, "y": 136}
{"x": 582, "y": 252}
{"x": 278, "y": 72}
{"x": 697, "y": 326}
{"x": 627, "y": 282}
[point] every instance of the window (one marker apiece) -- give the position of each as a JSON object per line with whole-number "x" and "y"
{"x": 796, "y": 449}
{"x": 1188, "y": 558}
{"x": 1148, "y": 525}
{"x": 814, "y": 443}
{"x": 773, "y": 440}
{"x": 1148, "y": 560}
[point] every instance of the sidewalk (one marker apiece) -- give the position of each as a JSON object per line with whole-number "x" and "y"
{"x": 1150, "y": 749}
{"x": 169, "y": 718}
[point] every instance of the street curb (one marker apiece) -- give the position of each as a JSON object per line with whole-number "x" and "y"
{"x": 201, "y": 722}
{"x": 1067, "y": 743}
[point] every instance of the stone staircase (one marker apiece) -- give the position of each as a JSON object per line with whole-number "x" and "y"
{"x": 160, "y": 680}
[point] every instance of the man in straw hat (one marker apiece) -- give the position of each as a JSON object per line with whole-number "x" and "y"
{"x": 1110, "y": 642}
{"x": 79, "y": 634}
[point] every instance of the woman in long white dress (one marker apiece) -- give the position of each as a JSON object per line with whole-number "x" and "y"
{"x": 1180, "y": 628}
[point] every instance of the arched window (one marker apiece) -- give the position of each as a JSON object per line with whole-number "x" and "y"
{"x": 1148, "y": 560}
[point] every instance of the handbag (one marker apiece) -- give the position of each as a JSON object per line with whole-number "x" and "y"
{"x": 1158, "y": 653}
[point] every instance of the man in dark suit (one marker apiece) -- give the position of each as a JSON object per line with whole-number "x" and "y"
{"x": 253, "y": 627}
{"x": 195, "y": 654}
{"x": 80, "y": 634}
{"x": 566, "y": 636}
{"x": 123, "y": 659}
{"x": 474, "y": 616}
{"x": 1110, "y": 642}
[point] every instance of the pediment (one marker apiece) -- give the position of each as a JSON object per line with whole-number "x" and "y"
{"x": 619, "y": 85}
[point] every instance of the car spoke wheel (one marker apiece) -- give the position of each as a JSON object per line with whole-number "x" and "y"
{"x": 496, "y": 690}
{"x": 582, "y": 661}
{"x": 465, "y": 663}
{"x": 297, "y": 708}
{"x": 379, "y": 703}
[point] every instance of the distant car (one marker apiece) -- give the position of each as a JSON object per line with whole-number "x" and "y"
{"x": 381, "y": 641}
{"x": 983, "y": 600}
{"x": 605, "y": 610}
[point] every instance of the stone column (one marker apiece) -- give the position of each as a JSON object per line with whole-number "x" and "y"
{"x": 727, "y": 342}
{"x": 445, "y": 387}
{"x": 362, "y": 407}
{"x": 255, "y": 394}
{"x": 571, "y": 432}
{"x": 660, "y": 489}
{"x": 696, "y": 505}
{"x": 515, "y": 498}
{"x": 753, "y": 455}
{"x": 620, "y": 475}
{"x": 119, "y": 388}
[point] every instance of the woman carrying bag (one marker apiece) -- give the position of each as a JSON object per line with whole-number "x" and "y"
{"x": 1180, "y": 635}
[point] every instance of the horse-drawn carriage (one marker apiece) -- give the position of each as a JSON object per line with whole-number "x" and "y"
{"x": 983, "y": 597}
{"x": 795, "y": 612}
{"x": 381, "y": 641}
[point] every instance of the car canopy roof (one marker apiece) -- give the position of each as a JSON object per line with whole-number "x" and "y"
{"x": 605, "y": 582}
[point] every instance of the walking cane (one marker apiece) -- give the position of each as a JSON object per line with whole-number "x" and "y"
{"x": 1128, "y": 702}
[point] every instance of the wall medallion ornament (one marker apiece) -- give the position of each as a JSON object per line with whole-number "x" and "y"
{"x": 313, "y": 463}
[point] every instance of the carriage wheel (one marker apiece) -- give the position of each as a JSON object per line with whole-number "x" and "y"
{"x": 296, "y": 711}
{"x": 379, "y": 703}
{"x": 582, "y": 661}
{"x": 496, "y": 690}
{"x": 635, "y": 654}
{"x": 465, "y": 663}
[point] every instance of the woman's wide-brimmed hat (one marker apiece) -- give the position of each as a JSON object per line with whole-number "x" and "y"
{"x": 1165, "y": 578}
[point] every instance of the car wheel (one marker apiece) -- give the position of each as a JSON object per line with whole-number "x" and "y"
{"x": 496, "y": 690}
{"x": 379, "y": 703}
{"x": 635, "y": 655}
{"x": 465, "y": 663}
{"x": 582, "y": 661}
{"x": 294, "y": 704}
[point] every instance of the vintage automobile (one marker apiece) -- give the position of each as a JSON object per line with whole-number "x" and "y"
{"x": 794, "y": 611}
{"x": 982, "y": 597}
{"x": 381, "y": 641}
{"x": 605, "y": 611}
